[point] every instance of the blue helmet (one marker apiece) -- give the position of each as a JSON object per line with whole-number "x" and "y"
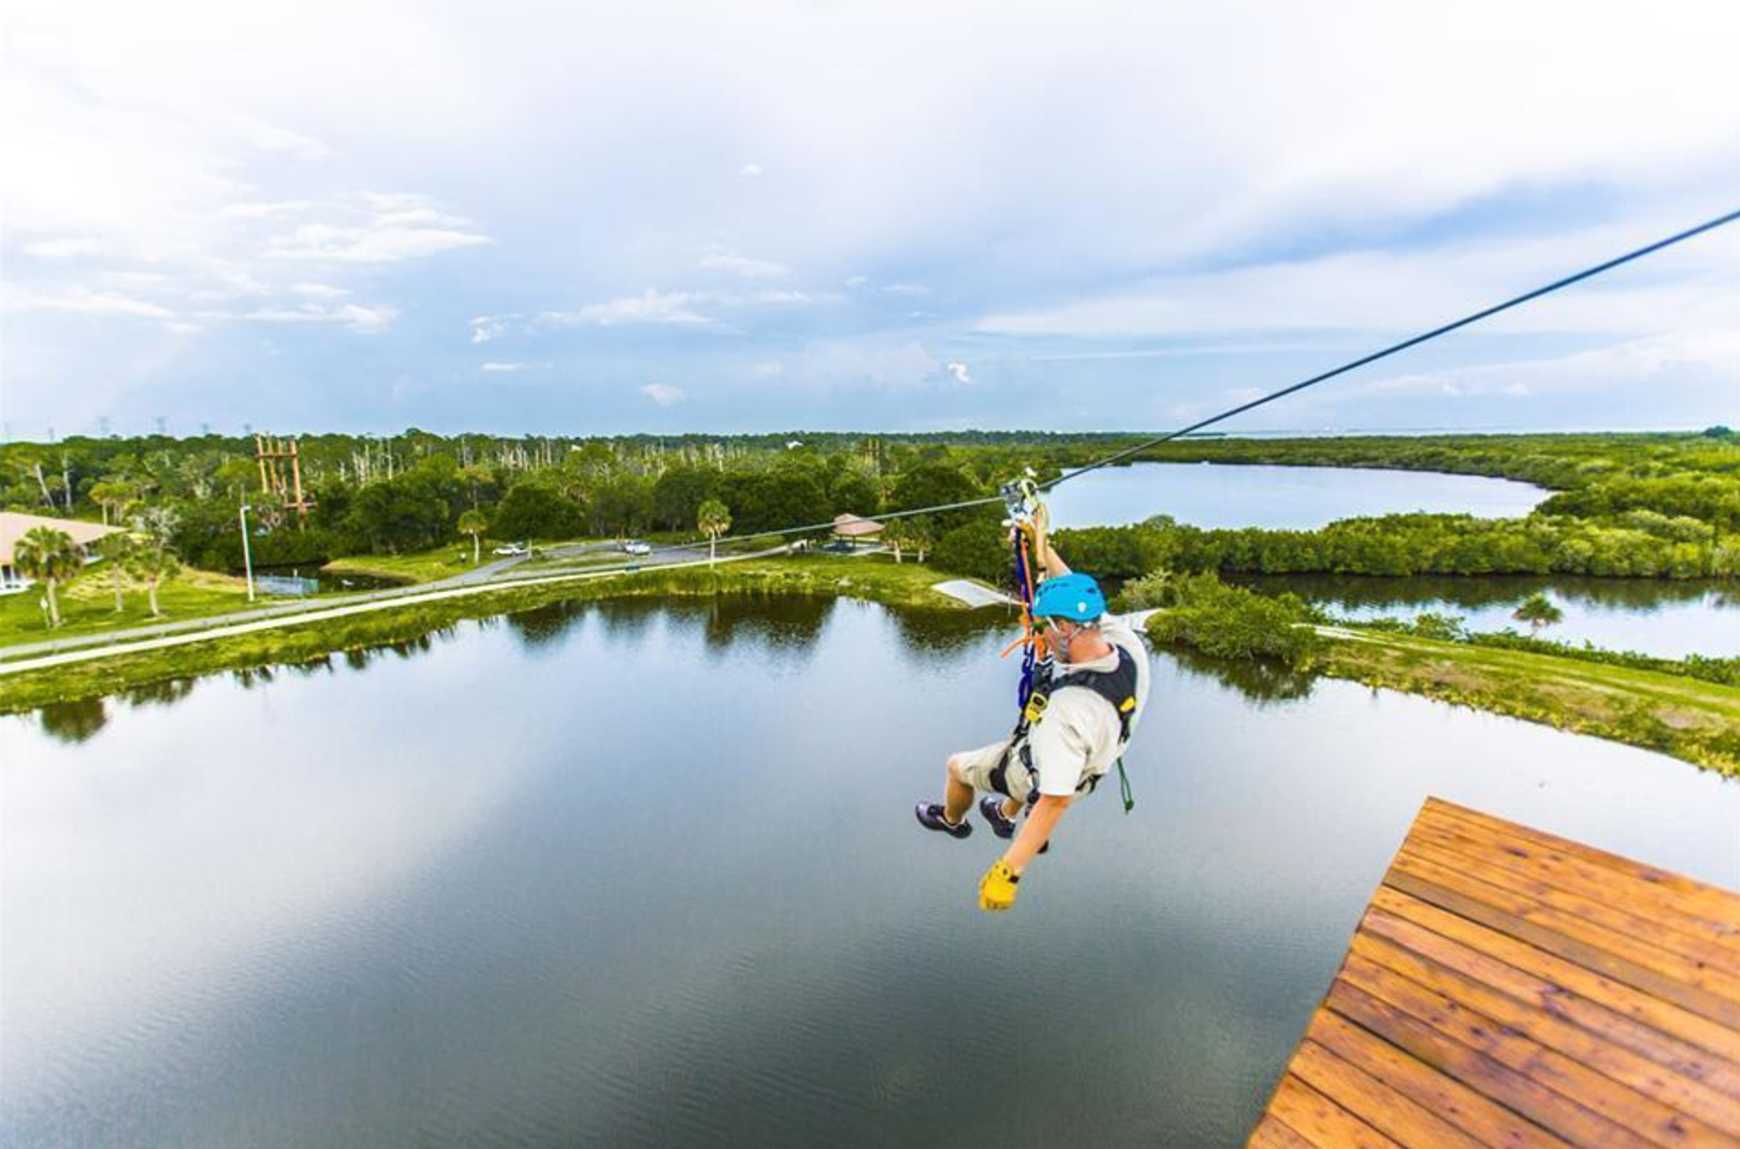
{"x": 1076, "y": 597}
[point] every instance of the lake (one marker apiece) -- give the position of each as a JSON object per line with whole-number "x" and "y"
{"x": 1662, "y": 617}
{"x": 1280, "y": 498}
{"x": 634, "y": 874}
{"x": 1657, "y": 617}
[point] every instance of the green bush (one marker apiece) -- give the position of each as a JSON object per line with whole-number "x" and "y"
{"x": 1229, "y": 621}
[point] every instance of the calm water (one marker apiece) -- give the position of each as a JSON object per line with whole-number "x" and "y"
{"x": 1293, "y": 498}
{"x": 642, "y": 875}
{"x": 1653, "y": 616}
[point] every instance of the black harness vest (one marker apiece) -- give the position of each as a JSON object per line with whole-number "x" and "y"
{"x": 1117, "y": 687}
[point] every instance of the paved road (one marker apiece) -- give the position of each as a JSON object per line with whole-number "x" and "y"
{"x": 35, "y": 656}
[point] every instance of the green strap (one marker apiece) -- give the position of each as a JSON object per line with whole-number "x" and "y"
{"x": 1124, "y": 787}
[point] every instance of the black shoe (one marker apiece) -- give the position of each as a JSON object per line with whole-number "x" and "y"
{"x": 992, "y": 809}
{"x": 930, "y": 816}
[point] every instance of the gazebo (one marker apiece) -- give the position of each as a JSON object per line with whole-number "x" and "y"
{"x": 852, "y": 529}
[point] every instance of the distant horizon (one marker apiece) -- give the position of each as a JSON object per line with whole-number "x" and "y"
{"x": 775, "y": 432}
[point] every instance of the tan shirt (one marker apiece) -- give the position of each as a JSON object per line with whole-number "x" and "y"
{"x": 1077, "y": 736}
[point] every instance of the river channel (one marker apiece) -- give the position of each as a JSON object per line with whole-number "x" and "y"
{"x": 633, "y": 874}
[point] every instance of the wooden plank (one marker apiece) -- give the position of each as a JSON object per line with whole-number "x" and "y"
{"x": 1714, "y": 902}
{"x": 1622, "y": 1065}
{"x": 1629, "y": 1000}
{"x": 1479, "y": 1072}
{"x": 1642, "y": 1115}
{"x": 1602, "y": 909}
{"x": 1472, "y": 882}
{"x": 1557, "y": 1001}
{"x": 1389, "y": 1112}
{"x": 1321, "y": 1121}
{"x": 1622, "y": 969}
{"x": 1270, "y": 1133}
{"x": 1488, "y": 1122}
{"x": 1579, "y": 876}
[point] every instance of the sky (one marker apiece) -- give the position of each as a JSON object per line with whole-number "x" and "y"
{"x": 596, "y": 219}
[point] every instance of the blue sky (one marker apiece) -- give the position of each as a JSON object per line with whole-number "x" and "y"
{"x": 548, "y": 218}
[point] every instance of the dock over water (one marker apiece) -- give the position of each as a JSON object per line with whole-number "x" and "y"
{"x": 1510, "y": 988}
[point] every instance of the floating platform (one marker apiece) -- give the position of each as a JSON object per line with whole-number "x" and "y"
{"x": 1510, "y": 988}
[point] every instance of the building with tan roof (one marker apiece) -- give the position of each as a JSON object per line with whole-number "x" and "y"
{"x": 14, "y": 525}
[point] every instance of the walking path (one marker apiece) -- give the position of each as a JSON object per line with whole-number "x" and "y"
{"x": 163, "y": 635}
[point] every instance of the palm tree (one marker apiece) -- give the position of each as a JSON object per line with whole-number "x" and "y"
{"x": 155, "y": 561}
{"x": 115, "y": 496}
{"x": 117, "y": 550}
{"x": 474, "y": 524}
{"x": 714, "y": 519}
{"x": 52, "y": 557}
{"x": 1538, "y": 611}
{"x": 896, "y": 535}
{"x": 920, "y": 535}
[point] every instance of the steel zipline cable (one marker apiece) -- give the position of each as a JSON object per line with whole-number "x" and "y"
{"x": 1392, "y": 349}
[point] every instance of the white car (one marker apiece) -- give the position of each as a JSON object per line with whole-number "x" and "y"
{"x": 636, "y": 547}
{"x": 509, "y": 550}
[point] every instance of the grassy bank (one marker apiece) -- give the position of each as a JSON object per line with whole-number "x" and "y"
{"x": 1689, "y": 719}
{"x": 906, "y": 585}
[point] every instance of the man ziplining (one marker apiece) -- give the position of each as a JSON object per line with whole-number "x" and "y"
{"x": 1077, "y": 719}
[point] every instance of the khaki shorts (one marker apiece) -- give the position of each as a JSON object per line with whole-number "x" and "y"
{"x": 975, "y": 768}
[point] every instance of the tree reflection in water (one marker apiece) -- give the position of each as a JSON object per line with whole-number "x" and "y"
{"x": 165, "y": 693}
{"x": 73, "y": 721}
{"x": 1259, "y": 681}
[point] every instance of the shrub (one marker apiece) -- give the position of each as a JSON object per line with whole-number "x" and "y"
{"x": 1232, "y": 622}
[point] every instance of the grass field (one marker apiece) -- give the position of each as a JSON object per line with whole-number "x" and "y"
{"x": 1689, "y": 719}
{"x": 88, "y": 605}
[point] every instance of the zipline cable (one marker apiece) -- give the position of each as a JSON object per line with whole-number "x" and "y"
{"x": 1475, "y": 317}
{"x": 1415, "y": 341}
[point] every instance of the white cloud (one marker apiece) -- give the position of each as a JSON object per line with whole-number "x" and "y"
{"x": 253, "y": 210}
{"x": 352, "y": 316}
{"x": 857, "y": 281}
{"x": 484, "y": 328}
{"x": 742, "y": 265}
{"x": 663, "y": 394}
{"x": 69, "y": 247}
{"x": 768, "y": 369}
{"x": 1708, "y": 356}
{"x": 83, "y": 301}
{"x": 376, "y": 243}
{"x": 319, "y": 290}
{"x": 649, "y": 307}
{"x": 502, "y": 368}
{"x": 180, "y": 328}
{"x": 958, "y": 372}
{"x": 749, "y": 170}
{"x": 907, "y": 289}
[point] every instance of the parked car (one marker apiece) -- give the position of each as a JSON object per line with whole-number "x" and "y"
{"x": 636, "y": 547}
{"x": 510, "y": 550}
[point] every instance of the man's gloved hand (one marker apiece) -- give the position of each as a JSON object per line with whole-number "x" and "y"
{"x": 997, "y": 889}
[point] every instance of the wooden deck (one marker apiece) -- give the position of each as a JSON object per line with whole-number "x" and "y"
{"x": 1509, "y": 988}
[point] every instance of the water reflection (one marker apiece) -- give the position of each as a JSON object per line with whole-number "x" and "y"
{"x": 74, "y": 722}
{"x": 1666, "y": 618}
{"x": 1261, "y": 683}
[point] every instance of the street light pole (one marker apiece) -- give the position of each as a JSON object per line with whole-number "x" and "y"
{"x": 247, "y": 554}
